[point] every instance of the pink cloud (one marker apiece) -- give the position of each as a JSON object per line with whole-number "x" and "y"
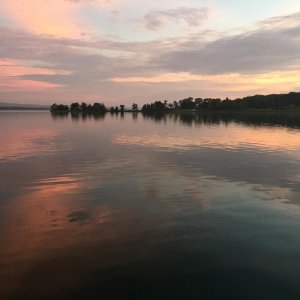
{"x": 16, "y": 84}
{"x": 56, "y": 17}
{"x": 14, "y": 68}
{"x": 11, "y": 80}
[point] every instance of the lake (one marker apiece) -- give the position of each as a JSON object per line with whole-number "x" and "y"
{"x": 177, "y": 206}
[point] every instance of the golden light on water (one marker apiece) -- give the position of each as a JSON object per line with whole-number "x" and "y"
{"x": 216, "y": 137}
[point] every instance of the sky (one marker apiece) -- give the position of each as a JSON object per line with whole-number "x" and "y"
{"x": 125, "y": 51}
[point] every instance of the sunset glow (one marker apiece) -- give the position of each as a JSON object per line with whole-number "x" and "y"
{"x": 233, "y": 138}
{"x": 124, "y": 51}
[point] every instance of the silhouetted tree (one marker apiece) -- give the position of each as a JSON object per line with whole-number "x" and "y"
{"x": 134, "y": 107}
{"x": 176, "y": 105}
{"x": 273, "y": 101}
{"x": 75, "y": 106}
{"x": 187, "y": 103}
{"x": 83, "y": 106}
{"x": 165, "y": 103}
{"x": 59, "y": 107}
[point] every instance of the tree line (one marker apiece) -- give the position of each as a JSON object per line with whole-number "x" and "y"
{"x": 76, "y": 107}
{"x": 273, "y": 101}
{"x": 289, "y": 119}
{"x": 90, "y": 108}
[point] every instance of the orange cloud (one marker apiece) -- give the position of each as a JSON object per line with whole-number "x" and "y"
{"x": 16, "y": 85}
{"x": 56, "y": 17}
{"x": 42, "y": 17}
{"x": 18, "y": 68}
{"x": 11, "y": 70}
{"x": 271, "y": 82}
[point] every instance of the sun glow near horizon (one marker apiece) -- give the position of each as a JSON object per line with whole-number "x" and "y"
{"x": 140, "y": 50}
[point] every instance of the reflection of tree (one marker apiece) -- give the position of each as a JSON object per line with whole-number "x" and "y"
{"x": 254, "y": 118}
{"x": 76, "y": 107}
{"x": 59, "y": 115}
{"x": 77, "y": 116}
{"x": 134, "y": 115}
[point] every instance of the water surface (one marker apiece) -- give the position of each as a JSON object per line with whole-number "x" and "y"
{"x": 178, "y": 206}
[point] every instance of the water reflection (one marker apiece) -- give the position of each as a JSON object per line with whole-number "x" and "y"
{"x": 230, "y": 136}
{"x": 15, "y": 145}
{"x": 269, "y": 118}
{"x": 76, "y": 116}
{"x": 255, "y": 118}
{"x": 150, "y": 205}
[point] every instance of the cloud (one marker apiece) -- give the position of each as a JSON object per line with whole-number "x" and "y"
{"x": 261, "y": 60}
{"x": 54, "y": 17}
{"x": 269, "y": 48}
{"x": 11, "y": 73}
{"x": 156, "y": 20}
{"x": 43, "y": 17}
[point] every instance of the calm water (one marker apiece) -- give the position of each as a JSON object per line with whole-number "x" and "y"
{"x": 158, "y": 207}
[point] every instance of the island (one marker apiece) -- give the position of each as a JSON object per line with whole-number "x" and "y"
{"x": 290, "y": 101}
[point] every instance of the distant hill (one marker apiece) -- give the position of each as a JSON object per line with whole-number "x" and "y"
{"x": 19, "y": 106}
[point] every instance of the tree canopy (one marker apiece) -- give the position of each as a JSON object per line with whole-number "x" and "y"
{"x": 274, "y": 101}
